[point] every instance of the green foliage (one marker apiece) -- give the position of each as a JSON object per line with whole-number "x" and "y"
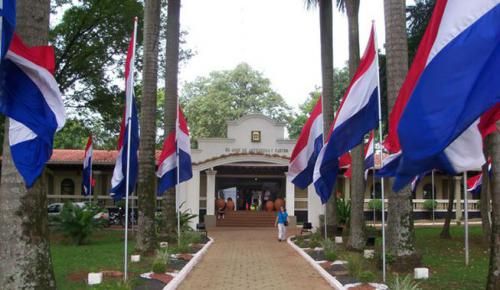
{"x": 161, "y": 261}
{"x": 341, "y": 82}
{"x": 315, "y": 239}
{"x": 191, "y": 237}
{"x": 331, "y": 255}
{"x": 77, "y": 223}
{"x": 114, "y": 285}
{"x": 72, "y": 136}
{"x": 329, "y": 249}
{"x": 417, "y": 18}
{"x": 343, "y": 211}
{"x": 375, "y": 204}
{"x": 430, "y": 204}
{"x": 355, "y": 266}
{"x": 405, "y": 283}
{"x": 367, "y": 276}
{"x": 228, "y": 95}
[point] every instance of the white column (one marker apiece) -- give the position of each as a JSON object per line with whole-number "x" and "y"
{"x": 314, "y": 206}
{"x": 347, "y": 188}
{"x": 211, "y": 191}
{"x": 192, "y": 193}
{"x": 458, "y": 197}
{"x": 290, "y": 195}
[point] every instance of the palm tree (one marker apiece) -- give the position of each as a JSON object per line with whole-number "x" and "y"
{"x": 400, "y": 232}
{"x": 494, "y": 269}
{"x": 171, "y": 97}
{"x": 356, "y": 238}
{"x": 326, "y": 39}
{"x": 25, "y": 250}
{"x": 146, "y": 193}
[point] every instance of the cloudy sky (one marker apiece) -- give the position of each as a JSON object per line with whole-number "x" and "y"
{"x": 278, "y": 37}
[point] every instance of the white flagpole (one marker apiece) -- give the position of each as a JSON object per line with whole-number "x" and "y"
{"x": 381, "y": 155}
{"x": 466, "y": 221}
{"x": 177, "y": 186}
{"x": 324, "y": 224}
{"x": 433, "y": 198}
{"x": 128, "y": 122}
{"x": 91, "y": 157}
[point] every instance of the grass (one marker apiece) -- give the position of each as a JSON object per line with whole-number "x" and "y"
{"x": 104, "y": 252}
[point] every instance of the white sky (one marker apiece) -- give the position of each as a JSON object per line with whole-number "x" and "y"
{"x": 278, "y": 37}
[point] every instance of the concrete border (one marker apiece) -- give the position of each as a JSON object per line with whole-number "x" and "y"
{"x": 177, "y": 280}
{"x": 329, "y": 278}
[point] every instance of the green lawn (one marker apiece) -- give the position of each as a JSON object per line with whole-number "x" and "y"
{"x": 104, "y": 252}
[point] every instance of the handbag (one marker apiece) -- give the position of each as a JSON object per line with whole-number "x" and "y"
{"x": 286, "y": 223}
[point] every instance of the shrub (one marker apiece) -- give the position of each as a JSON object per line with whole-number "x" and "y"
{"x": 405, "y": 283}
{"x": 191, "y": 237}
{"x": 160, "y": 262}
{"x": 343, "y": 211}
{"x": 328, "y": 245}
{"x": 430, "y": 204}
{"x": 331, "y": 255}
{"x": 366, "y": 277}
{"x": 77, "y": 223}
{"x": 375, "y": 204}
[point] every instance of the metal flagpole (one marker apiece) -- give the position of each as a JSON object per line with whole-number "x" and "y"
{"x": 466, "y": 220}
{"x": 129, "y": 120}
{"x": 433, "y": 198}
{"x": 381, "y": 154}
{"x": 90, "y": 164}
{"x": 177, "y": 186}
{"x": 324, "y": 224}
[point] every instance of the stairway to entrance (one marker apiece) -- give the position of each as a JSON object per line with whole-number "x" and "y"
{"x": 247, "y": 219}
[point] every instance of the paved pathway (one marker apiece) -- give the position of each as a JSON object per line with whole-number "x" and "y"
{"x": 252, "y": 259}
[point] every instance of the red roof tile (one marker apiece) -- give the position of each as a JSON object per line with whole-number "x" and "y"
{"x": 75, "y": 156}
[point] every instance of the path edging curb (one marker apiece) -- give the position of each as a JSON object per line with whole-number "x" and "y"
{"x": 329, "y": 278}
{"x": 177, "y": 280}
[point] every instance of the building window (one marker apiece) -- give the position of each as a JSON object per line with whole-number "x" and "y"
{"x": 427, "y": 191}
{"x": 67, "y": 187}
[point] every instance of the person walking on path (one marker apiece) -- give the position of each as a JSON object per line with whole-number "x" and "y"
{"x": 281, "y": 222}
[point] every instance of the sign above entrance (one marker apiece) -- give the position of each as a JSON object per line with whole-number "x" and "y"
{"x": 257, "y": 150}
{"x": 255, "y": 138}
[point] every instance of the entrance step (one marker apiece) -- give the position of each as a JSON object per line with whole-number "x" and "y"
{"x": 247, "y": 219}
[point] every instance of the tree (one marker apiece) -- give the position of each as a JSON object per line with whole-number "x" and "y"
{"x": 326, "y": 39}
{"x": 171, "y": 98}
{"x": 146, "y": 192}
{"x": 24, "y": 250}
{"x": 356, "y": 240}
{"x": 494, "y": 268}
{"x": 72, "y": 136}
{"x": 486, "y": 194}
{"x": 418, "y": 15}
{"x": 400, "y": 231}
{"x": 228, "y": 95}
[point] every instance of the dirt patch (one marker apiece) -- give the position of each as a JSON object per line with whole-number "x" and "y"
{"x": 185, "y": 257}
{"x": 164, "y": 278}
{"x": 362, "y": 287}
{"x": 78, "y": 276}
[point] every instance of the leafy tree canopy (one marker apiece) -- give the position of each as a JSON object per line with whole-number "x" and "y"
{"x": 417, "y": 18}
{"x": 341, "y": 82}
{"x": 227, "y": 95}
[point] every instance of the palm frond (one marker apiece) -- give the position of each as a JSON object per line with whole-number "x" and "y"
{"x": 341, "y": 5}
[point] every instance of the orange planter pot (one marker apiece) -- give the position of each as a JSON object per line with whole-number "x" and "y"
{"x": 220, "y": 203}
{"x": 279, "y": 202}
{"x": 230, "y": 204}
{"x": 269, "y": 205}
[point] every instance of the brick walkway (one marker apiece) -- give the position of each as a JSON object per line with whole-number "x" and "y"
{"x": 252, "y": 259}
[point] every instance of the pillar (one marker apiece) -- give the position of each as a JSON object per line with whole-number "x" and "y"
{"x": 458, "y": 197}
{"x": 191, "y": 191}
{"x": 211, "y": 191}
{"x": 314, "y": 206}
{"x": 290, "y": 201}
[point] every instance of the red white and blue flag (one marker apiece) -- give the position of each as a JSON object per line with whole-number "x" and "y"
{"x": 474, "y": 183}
{"x": 87, "y": 168}
{"x": 453, "y": 80}
{"x": 30, "y": 97}
{"x": 130, "y": 123}
{"x": 307, "y": 148}
{"x": 8, "y": 25}
{"x": 357, "y": 115}
{"x": 369, "y": 155}
{"x": 174, "y": 158}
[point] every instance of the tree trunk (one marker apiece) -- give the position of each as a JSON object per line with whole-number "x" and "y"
{"x": 26, "y": 262}
{"x": 356, "y": 240}
{"x": 400, "y": 232}
{"x": 445, "y": 232}
{"x": 171, "y": 97}
{"x": 485, "y": 196}
{"x": 494, "y": 268}
{"x": 146, "y": 192}
{"x": 326, "y": 38}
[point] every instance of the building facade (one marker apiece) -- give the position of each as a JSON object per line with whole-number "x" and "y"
{"x": 250, "y": 165}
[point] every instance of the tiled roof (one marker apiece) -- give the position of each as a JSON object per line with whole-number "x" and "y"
{"x": 75, "y": 156}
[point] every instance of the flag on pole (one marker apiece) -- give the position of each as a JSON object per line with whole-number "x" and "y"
{"x": 8, "y": 24}
{"x": 30, "y": 97}
{"x": 454, "y": 79}
{"x": 87, "y": 180}
{"x": 118, "y": 181}
{"x": 307, "y": 148}
{"x": 369, "y": 155}
{"x": 474, "y": 183}
{"x": 357, "y": 115}
{"x": 167, "y": 164}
